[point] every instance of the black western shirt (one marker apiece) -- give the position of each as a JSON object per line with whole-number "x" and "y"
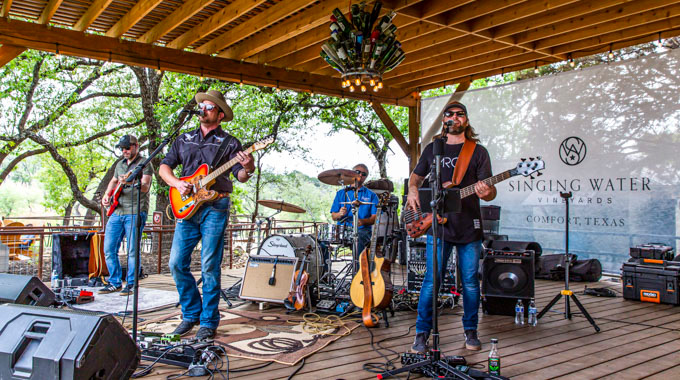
{"x": 192, "y": 149}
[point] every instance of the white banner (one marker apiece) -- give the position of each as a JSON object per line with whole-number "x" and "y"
{"x": 609, "y": 134}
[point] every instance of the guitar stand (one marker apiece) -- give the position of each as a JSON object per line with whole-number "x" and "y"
{"x": 566, "y": 292}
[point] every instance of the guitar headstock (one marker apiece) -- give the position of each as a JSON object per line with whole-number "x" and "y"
{"x": 383, "y": 199}
{"x": 263, "y": 143}
{"x": 527, "y": 167}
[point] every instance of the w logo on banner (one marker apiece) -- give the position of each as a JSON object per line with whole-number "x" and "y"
{"x": 572, "y": 151}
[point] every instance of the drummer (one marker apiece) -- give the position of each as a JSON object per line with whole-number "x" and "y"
{"x": 341, "y": 211}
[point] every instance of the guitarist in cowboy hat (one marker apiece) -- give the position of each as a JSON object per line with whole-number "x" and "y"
{"x": 208, "y": 144}
{"x": 122, "y": 222}
{"x": 462, "y": 230}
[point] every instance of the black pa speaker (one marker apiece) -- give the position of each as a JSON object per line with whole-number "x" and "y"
{"x": 45, "y": 343}
{"x": 507, "y": 276}
{"x": 515, "y": 246}
{"x": 24, "y": 290}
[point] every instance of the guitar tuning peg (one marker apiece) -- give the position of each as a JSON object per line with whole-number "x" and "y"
{"x": 523, "y": 159}
{"x": 538, "y": 158}
{"x": 539, "y": 174}
{"x": 531, "y": 158}
{"x": 531, "y": 176}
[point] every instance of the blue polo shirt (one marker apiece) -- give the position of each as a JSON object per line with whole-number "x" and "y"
{"x": 365, "y": 211}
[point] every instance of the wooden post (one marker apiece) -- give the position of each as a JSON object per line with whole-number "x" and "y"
{"x": 160, "y": 247}
{"x": 40, "y": 255}
{"x": 413, "y": 137}
{"x": 231, "y": 249}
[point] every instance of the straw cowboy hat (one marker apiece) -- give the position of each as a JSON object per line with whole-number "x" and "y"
{"x": 217, "y": 98}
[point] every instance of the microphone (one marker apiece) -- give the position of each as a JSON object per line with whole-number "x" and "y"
{"x": 194, "y": 112}
{"x": 448, "y": 123}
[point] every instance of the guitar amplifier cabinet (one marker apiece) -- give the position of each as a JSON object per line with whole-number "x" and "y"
{"x": 657, "y": 284}
{"x": 256, "y": 278}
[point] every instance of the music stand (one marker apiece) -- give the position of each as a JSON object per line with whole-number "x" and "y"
{"x": 567, "y": 260}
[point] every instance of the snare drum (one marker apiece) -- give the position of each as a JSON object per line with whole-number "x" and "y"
{"x": 334, "y": 233}
{"x": 294, "y": 246}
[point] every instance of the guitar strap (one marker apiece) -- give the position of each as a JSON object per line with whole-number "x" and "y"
{"x": 463, "y": 162}
{"x": 220, "y": 152}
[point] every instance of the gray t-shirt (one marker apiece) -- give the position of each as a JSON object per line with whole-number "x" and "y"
{"x": 128, "y": 197}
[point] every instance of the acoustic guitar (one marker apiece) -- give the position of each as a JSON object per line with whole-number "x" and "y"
{"x": 417, "y": 222}
{"x": 372, "y": 289}
{"x": 184, "y": 206}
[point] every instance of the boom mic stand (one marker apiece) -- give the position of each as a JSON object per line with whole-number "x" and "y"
{"x": 136, "y": 175}
{"x": 567, "y": 260}
{"x": 434, "y": 365}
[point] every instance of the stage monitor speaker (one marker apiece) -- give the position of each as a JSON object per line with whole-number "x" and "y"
{"x": 258, "y": 275}
{"x": 508, "y": 274}
{"x": 24, "y": 290}
{"x": 503, "y": 305}
{"x": 43, "y": 343}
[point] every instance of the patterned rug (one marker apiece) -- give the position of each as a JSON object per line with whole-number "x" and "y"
{"x": 285, "y": 339}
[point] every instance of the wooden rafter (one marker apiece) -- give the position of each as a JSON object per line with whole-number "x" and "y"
{"x": 226, "y": 15}
{"x": 391, "y": 127}
{"x": 49, "y": 11}
{"x": 6, "y": 6}
{"x": 96, "y": 9}
{"x": 242, "y": 31}
{"x": 176, "y": 18}
{"x": 130, "y": 19}
{"x": 39, "y": 37}
{"x": 8, "y": 53}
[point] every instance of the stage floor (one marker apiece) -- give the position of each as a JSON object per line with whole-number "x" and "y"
{"x": 636, "y": 340}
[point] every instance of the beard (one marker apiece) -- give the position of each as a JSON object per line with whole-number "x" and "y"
{"x": 455, "y": 130}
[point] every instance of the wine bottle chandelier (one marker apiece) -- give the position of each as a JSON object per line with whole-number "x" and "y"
{"x": 360, "y": 52}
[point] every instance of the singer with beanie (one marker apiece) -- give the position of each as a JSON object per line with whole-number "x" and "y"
{"x": 462, "y": 230}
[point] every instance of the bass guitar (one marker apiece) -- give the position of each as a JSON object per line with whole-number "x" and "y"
{"x": 372, "y": 289}
{"x": 417, "y": 223}
{"x": 184, "y": 206}
{"x": 113, "y": 200}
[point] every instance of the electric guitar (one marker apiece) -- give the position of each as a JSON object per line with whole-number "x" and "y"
{"x": 184, "y": 206}
{"x": 113, "y": 200}
{"x": 417, "y": 222}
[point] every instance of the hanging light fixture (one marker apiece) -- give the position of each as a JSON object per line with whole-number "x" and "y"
{"x": 364, "y": 47}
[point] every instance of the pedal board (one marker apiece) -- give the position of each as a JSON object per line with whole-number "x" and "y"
{"x": 326, "y": 305}
{"x": 409, "y": 358}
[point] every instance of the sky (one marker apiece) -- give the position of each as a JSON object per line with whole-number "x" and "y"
{"x": 342, "y": 150}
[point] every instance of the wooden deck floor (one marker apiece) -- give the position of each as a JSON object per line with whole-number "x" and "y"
{"x": 637, "y": 340}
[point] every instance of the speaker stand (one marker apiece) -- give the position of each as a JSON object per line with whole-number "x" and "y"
{"x": 567, "y": 261}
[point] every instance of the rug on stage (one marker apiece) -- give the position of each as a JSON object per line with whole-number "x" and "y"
{"x": 263, "y": 336}
{"x": 112, "y": 303}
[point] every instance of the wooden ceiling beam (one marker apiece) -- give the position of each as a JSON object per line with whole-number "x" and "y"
{"x": 175, "y": 19}
{"x": 461, "y": 64}
{"x": 6, "y": 6}
{"x": 131, "y": 18}
{"x": 91, "y": 14}
{"x": 640, "y": 31}
{"x": 427, "y": 9}
{"x": 309, "y": 19}
{"x": 450, "y": 53}
{"x": 525, "y": 12}
{"x": 502, "y": 65}
{"x": 391, "y": 126}
{"x": 80, "y": 44}
{"x": 221, "y": 18}
{"x": 262, "y": 20}
{"x": 9, "y": 52}
{"x": 299, "y": 57}
{"x": 612, "y": 25}
{"x": 478, "y": 9}
{"x": 49, "y": 10}
{"x": 538, "y": 14}
{"x": 291, "y": 46}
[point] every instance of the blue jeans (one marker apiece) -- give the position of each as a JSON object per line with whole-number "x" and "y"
{"x": 117, "y": 227}
{"x": 468, "y": 265}
{"x": 207, "y": 225}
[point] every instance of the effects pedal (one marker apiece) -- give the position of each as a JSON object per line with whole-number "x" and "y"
{"x": 326, "y": 305}
{"x": 409, "y": 358}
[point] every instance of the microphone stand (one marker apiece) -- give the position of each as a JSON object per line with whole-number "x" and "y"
{"x": 136, "y": 175}
{"x": 434, "y": 365}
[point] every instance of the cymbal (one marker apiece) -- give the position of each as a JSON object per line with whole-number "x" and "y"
{"x": 281, "y": 206}
{"x": 338, "y": 177}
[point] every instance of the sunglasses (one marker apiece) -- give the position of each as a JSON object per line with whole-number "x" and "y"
{"x": 452, "y": 113}
{"x": 362, "y": 173}
{"x": 208, "y": 107}
{"x": 127, "y": 147}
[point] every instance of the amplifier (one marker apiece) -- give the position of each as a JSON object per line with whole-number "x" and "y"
{"x": 261, "y": 271}
{"x": 416, "y": 265}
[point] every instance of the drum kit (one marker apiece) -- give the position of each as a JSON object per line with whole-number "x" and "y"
{"x": 325, "y": 244}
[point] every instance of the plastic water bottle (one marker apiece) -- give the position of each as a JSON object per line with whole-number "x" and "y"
{"x": 532, "y": 321}
{"x": 494, "y": 358}
{"x": 519, "y": 312}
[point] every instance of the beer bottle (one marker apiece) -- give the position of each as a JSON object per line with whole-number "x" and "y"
{"x": 494, "y": 358}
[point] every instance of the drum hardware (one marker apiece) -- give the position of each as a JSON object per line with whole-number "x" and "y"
{"x": 338, "y": 177}
{"x": 279, "y": 206}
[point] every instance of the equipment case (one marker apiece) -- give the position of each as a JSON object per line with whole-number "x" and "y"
{"x": 658, "y": 284}
{"x": 654, "y": 251}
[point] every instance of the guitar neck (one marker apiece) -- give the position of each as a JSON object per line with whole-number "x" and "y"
{"x": 469, "y": 190}
{"x": 219, "y": 171}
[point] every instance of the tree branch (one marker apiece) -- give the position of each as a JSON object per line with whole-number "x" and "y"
{"x": 107, "y": 94}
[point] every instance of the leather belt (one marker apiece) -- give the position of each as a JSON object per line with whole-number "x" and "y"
{"x": 221, "y": 195}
